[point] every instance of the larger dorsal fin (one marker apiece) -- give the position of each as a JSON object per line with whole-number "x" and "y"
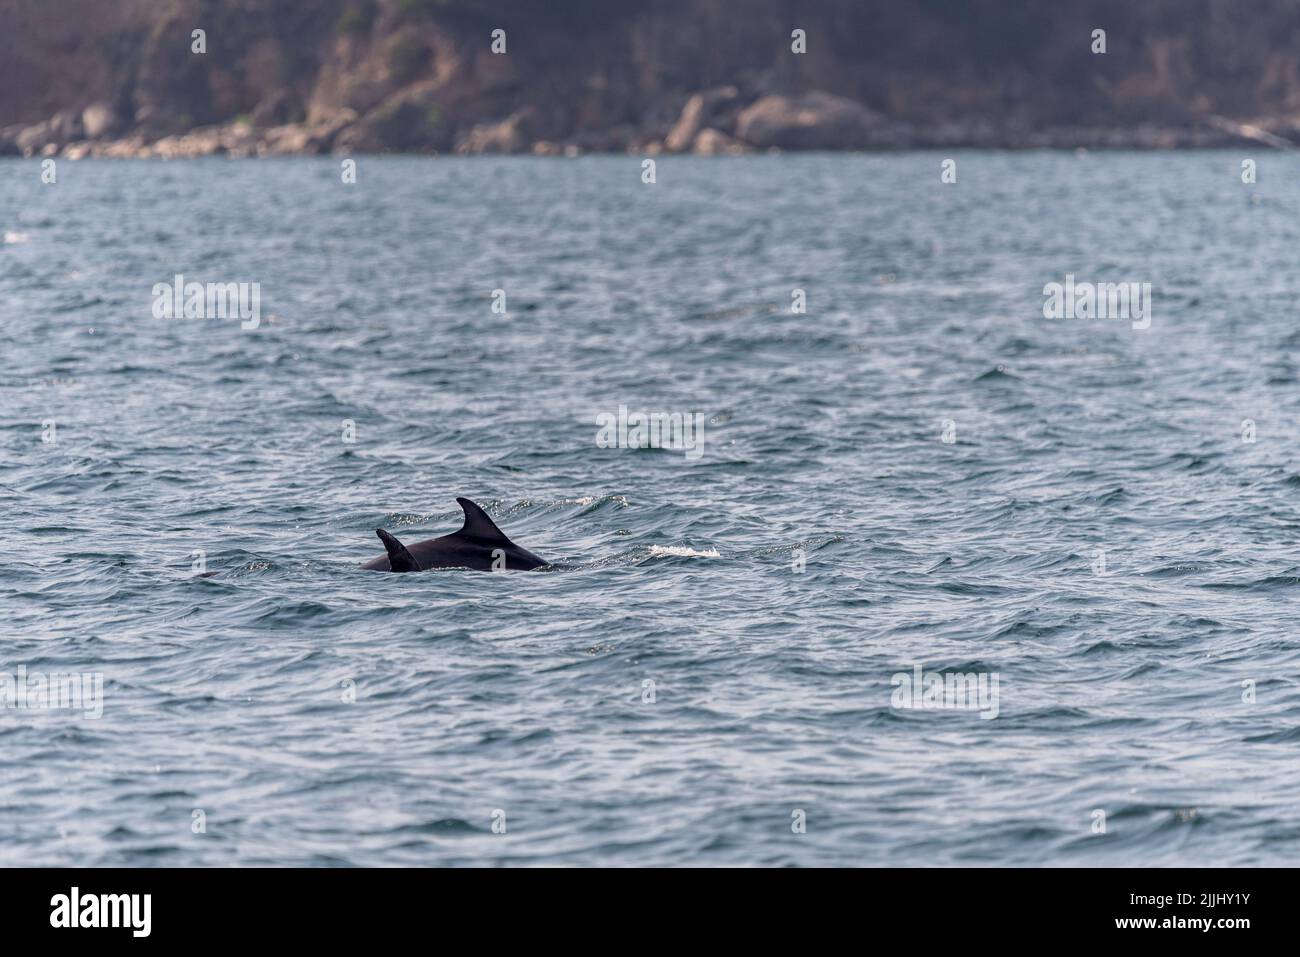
{"x": 478, "y": 526}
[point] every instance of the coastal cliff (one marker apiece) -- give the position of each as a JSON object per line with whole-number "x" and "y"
{"x": 128, "y": 78}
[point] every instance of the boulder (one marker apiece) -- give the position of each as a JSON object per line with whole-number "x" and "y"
{"x": 100, "y": 120}
{"x": 131, "y": 148}
{"x": 288, "y": 138}
{"x": 61, "y": 128}
{"x": 711, "y": 142}
{"x": 507, "y": 136}
{"x": 32, "y": 138}
{"x": 700, "y": 111}
{"x": 202, "y": 141}
{"x": 296, "y": 138}
{"x": 810, "y": 121}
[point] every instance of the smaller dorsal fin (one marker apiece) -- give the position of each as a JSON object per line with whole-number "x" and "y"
{"x": 478, "y": 525}
{"x": 399, "y": 559}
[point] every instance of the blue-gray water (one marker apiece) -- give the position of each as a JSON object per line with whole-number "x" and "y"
{"x": 526, "y": 693}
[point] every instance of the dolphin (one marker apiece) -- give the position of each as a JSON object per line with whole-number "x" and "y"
{"x": 478, "y": 545}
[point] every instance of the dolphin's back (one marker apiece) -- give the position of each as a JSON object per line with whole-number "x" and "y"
{"x": 479, "y": 545}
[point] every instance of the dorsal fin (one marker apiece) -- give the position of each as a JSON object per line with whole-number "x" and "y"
{"x": 399, "y": 559}
{"x": 478, "y": 526}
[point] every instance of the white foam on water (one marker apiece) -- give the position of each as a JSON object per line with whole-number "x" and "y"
{"x": 681, "y": 551}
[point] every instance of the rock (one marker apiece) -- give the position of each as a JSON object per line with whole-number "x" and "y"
{"x": 507, "y": 136}
{"x": 204, "y": 141}
{"x": 49, "y": 136}
{"x": 711, "y": 142}
{"x": 130, "y": 148}
{"x": 700, "y": 110}
{"x": 327, "y": 130}
{"x": 295, "y": 137}
{"x": 99, "y": 120}
{"x": 32, "y": 138}
{"x": 238, "y": 139}
{"x": 286, "y": 139}
{"x": 67, "y": 126}
{"x": 810, "y": 121}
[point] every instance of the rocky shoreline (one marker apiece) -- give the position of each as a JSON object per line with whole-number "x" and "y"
{"x": 717, "y": 121}
{"x": 187, "y": 78}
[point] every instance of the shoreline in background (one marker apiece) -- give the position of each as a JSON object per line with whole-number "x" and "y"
{"x": 244, "y": 140}
{"x": 260, "y": 78}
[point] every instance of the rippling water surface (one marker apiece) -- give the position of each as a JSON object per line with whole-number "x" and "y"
{"x": 527, "y": 693}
